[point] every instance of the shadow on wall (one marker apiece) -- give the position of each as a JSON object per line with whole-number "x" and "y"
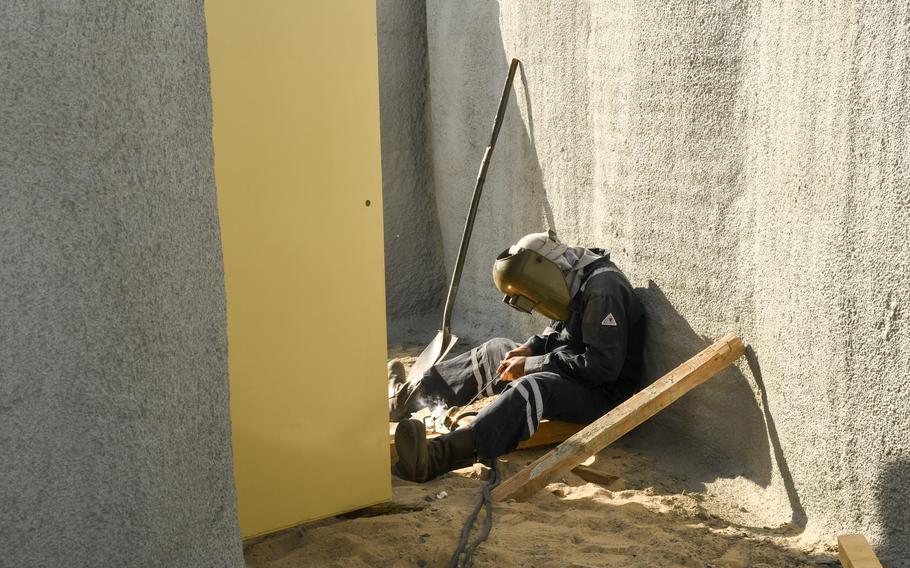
{"x": 894, "y": 512}
{"x": 514, "y": 181}
{"x": 514, "y": 201}
{"x": 419, "y": 205}
{"x": 529, "y": 148}
{"x": 414, "y": 270}
{"x": 798, "y": 518}
{"x": 721, "y": 422}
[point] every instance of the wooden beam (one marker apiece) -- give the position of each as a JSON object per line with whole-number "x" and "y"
{"x": 548, "y": 433}
{"x": 616, "y": 423}
{"x": 854, "y": 552}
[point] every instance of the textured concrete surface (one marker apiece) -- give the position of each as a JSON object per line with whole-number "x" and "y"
{"x": 414, "y": 273}
{"x": 747, "y": 165}
{"x": 114, "y": 427}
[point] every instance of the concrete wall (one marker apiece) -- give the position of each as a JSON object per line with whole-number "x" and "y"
{"x": 747, "y": 165}
{"x": 414, "y": 273}
{"x": 114, "y": 427}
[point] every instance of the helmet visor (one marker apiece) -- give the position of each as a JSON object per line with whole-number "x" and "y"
{"x": 531, "y": 282}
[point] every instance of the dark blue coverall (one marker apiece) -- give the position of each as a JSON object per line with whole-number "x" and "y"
{"x": 580, "y": 368}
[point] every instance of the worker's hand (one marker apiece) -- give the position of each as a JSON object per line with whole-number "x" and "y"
{"x": 520, "y": 351}
{"x": 512, "y": 369}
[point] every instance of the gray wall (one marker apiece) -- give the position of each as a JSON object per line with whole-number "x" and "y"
{"x": 747, "y": 164}
{"x": 414, "y": 271}
{"x": 114, "y": 428}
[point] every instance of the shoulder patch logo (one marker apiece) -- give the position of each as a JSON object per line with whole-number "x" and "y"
{"x": 609, "y": 320}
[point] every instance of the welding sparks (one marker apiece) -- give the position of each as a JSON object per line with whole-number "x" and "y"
{"x": 432, "y": 414}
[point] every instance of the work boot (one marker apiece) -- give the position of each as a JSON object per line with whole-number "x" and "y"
{"x": 398, "y": 390}
{"x": 421, "y": 460}
{"x": 407, "y": 398}
{"x": 397, "y": 376}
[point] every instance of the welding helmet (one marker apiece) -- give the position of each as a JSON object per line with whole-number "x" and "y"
{"x": 532, "y": 282}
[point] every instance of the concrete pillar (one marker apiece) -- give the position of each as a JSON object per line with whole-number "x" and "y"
{"x": 114, "y": 427}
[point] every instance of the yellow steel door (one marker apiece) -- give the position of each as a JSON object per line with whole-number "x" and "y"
{"x": 296, "y": 137}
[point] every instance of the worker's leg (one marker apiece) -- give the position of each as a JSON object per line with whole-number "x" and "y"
{"x": 515, "y": 415}
{"x": 455, "y": 381}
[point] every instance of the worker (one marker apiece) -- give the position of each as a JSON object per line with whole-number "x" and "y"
{"x": 585, "y": 363}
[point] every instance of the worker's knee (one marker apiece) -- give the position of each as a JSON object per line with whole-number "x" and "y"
{"x": 500, "y": 344}
{"x": 541, "y": 383}
{"x": 495, "y": 349}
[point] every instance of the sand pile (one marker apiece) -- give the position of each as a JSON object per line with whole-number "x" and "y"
{"x": 628, "y": 510}
{"x": 636, "y": 516}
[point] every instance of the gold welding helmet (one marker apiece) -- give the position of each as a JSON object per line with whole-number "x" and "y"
{"x": 530, "y": 281}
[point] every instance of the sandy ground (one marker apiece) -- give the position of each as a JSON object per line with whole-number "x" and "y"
{"x": 633, "y": 514}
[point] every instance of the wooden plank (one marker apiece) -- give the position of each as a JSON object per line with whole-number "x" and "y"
{"x": 616, "y": 423}
{"x": 854, "y": 552}
{"x": 548, "y": 433}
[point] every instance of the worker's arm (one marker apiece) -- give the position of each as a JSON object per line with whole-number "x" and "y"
{"x": 605, "y": 332}
{"x": 538, "y": 343}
